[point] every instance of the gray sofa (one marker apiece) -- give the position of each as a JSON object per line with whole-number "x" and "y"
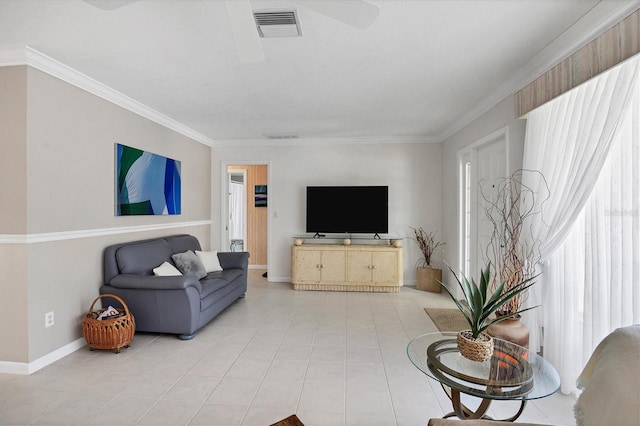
{"x": 171, "y": 304}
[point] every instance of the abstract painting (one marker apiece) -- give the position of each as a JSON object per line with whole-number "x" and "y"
{"x": 146, "y": 183}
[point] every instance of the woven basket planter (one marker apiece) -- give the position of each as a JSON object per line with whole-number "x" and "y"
{"x": 480, "y": 349}
{"x": 111, "y": 334}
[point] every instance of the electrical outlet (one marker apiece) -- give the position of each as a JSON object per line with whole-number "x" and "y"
{"x": 48, "y": 319}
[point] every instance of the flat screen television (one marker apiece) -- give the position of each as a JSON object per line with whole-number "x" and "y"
{"x": 348, "y": 209}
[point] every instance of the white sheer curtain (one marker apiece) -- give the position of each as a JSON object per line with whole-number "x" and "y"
{"x": 589, "y": 262}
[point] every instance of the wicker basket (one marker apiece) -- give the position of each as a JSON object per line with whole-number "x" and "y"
{"x": 480, "y": 349}
{"x": 113, "y": 333}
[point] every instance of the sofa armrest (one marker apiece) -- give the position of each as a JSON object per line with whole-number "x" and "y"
{"x": 152, "y": 282}
{"x": 234, "y": 260}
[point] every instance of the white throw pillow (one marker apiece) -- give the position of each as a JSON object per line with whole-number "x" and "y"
{"x": 166, "y": 270}
{"x": 210, "y": 260}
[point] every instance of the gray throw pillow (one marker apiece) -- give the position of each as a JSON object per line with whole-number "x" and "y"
{"x": 189, "y": 264}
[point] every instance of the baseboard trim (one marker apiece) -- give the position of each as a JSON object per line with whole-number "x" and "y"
{"x": 24, "y": 368}
{"x": 91, "y": 233}
{"x": 257, "y": 266}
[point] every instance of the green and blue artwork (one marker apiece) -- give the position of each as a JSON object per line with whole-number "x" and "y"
{"x": 146, "y": 183}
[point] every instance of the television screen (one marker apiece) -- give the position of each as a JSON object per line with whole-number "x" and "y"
{"x": 348, "y": 209}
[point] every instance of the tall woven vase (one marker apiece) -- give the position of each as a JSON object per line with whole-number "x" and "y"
{"x": 480, "y": 349}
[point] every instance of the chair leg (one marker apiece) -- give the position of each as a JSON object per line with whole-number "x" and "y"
{"x": 187, "y": 336}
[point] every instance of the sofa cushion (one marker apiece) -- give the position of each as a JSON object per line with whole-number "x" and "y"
{"x": 141, "y": 258}
{"x": 214, "y": 281}
{"x": 166, "y": 270}
{"x": 189, "y": 264}
{"x": 182, "y": 243}
{"x": 209, "y": 260}
{"x": 217, "y": 285}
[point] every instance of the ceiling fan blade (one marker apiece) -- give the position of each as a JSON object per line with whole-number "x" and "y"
{"x": 109, "y": 4}
{"x": 356, "y": 13}
{"x": 245, "y": 34}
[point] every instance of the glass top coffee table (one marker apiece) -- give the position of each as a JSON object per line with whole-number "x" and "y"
{"x": 512, "y": 373}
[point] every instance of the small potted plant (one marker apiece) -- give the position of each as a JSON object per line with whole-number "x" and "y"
{"x": 478, "y": 308}
{"x": 427, "y": 278}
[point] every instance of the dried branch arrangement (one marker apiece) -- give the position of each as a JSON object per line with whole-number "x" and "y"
{"x": 512, "y": 250}
{"x": 427, "y": 244}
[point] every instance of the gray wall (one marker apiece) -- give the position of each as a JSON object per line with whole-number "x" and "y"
{"x": 64, "y": 150}
{"x": 411, "y": 170}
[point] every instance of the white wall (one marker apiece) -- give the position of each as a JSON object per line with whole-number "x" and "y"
{"x": 411, "y": 170}
{"x": 500, "y": 116}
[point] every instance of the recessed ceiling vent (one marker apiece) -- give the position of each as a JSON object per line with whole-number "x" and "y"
{"x": 280, "y": 135}
{"x": 281, "y": 23}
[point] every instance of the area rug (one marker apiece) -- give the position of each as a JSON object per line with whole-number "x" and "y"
{"x": 292, "y": 420}
{"x": 447, "y": 319}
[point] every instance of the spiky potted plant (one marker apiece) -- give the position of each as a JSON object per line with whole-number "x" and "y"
{"x": 479, "y": 309}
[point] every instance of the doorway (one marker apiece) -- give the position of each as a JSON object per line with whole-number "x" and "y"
{"x": 481, "y": 165}
{"x": 246, "y": 227}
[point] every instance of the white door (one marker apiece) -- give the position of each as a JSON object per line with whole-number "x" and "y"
{"x": 482, "y": 166}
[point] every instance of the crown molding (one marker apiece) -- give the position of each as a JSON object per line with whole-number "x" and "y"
{"x": 38, "y": 60}
{"x": 598, "y": 20}
{"x": 91, "y": 233}
{"x": 353, "y": 140}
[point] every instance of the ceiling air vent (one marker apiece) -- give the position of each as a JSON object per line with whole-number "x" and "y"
{"x": 280, "y": 136}
{"x": 283, "y": 23}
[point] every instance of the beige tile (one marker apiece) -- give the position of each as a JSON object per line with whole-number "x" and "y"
{"x": 170, "y": 413}
{"x": 278, "y": 393}
{"x": 285, "y": 370}
{"x": 192, "y": 388}
{"x": 333, "y": 358}
{"x": 326, "y": 372}
{"x": 23, "y": 406}
{"x": 76, "y": 410}
{"x": 261, "y": 416}
{"x": 322, "y": 397}
{"x": 326, "y": 353}
{"x": 234, "y": 391}
{"x": 219, "y": 415}
{"x": 151, "y": 385}
{"x": 122, "y": 410}
{"x": 321, "y": 418}
{"x": 248, "y": 368}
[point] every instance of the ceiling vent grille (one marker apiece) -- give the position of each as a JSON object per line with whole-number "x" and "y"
{"x": 281, "y": 136}
{"x": 283, "y": 23}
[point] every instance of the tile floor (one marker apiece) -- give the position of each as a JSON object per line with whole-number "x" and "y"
{"x": 333, "y": 358}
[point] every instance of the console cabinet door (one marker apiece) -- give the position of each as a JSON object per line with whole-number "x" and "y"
{"x": 318, "y": 266}
{"x": 333, "y": 266}
{"x": 384, "y": 267}
{"x": 307, "y": 266}
{"x": 359, "y": 267}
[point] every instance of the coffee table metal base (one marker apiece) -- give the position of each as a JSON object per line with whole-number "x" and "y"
{"x": 465, "y": 413}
